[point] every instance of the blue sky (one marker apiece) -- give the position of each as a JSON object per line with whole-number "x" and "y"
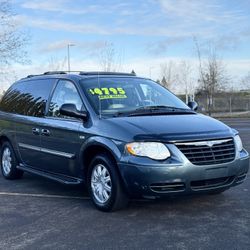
{"x": 146, "y": 33}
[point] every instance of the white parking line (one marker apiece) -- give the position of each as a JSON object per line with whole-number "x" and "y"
{"x": 59, "y": 196}
{"x": 45, "y": 196}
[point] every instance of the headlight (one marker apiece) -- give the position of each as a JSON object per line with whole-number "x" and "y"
{"x": 238, "y": 143}
{"x": 153, "y": 150}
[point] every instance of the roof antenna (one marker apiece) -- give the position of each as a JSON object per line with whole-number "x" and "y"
{"x": 99, "y": 96}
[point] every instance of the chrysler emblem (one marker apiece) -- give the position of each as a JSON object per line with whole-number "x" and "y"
{"x": 210, "y": 143}
{"x": 204, "y": 143}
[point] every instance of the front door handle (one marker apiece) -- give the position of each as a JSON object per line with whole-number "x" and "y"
{"x": 45, "y": 132}
{"x": 36, "y": 131}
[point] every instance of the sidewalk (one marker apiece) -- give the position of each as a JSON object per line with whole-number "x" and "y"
{"x": 244, "y": 114}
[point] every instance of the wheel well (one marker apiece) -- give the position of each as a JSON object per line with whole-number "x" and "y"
{"x": 91, "y": 152}
{"x": 3, "y": 139}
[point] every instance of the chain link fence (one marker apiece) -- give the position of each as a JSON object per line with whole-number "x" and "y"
{"x": 225, "y": 104}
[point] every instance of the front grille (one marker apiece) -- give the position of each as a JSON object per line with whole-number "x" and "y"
{"x": 208, "y": 152}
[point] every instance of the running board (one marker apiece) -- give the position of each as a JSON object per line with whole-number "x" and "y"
{"x": 52, "y": 176}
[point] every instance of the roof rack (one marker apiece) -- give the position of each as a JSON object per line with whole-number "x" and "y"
{"x": 55, "y": 73}
{"x": 29, "y": 76}
{"x": 49, "y": 73}
{"x": 84, "y": 73}
{"x": 105, "y": 73}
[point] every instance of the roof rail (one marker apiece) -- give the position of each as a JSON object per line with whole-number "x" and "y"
{"x": 85, "y": 73}
{"x": 29, "y": 76}
{"x": 54, "y": 73}
{"x": 105, "y": 73}
{"x": 47, "y": 73}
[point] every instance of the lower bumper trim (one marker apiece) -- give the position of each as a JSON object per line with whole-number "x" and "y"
{"x": 167, "y": 187}
{"x": 212, "y": 183}
{"x": 240, "y": 178}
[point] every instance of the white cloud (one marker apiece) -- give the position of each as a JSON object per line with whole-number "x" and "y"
{"x": 88, "y": 47}
{"x": 67, "y": 7}
{"x": 44, "y": 5}
{"x": 160, "y": 47}
{"x": 58, "y": 6}
{"x": 174, "y": 19}
{"x": 99, "y": 29}
{"x": 58, "y": 45}
{"x": 61, "y": 25}
{"x": 203, "y": 18}
{"x": 199, "y": 11}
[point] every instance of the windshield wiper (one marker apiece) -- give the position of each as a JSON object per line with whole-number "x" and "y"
{"x": 160, "y": 110}
{"x": 155, "y": 110}
{"x": 160, "y": 107}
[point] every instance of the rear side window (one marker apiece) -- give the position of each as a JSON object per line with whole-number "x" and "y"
{"x": 12, "y": 101}
{"x": 27, "y": 98}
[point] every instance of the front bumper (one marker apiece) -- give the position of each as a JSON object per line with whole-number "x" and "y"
{"x": 147, "y": 178}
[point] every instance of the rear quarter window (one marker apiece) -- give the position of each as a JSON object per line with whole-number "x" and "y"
{"x": 27, "y": 97}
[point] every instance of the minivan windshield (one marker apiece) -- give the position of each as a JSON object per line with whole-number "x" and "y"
{"x": 129, "y": 96}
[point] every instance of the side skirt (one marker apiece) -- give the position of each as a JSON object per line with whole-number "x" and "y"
{"x": 52, "y": 176}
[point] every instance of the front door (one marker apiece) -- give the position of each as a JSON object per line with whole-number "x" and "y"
{"x": 60, "y": 140}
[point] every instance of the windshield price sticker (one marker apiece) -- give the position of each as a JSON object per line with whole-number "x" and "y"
{"x": 108, "y": 93}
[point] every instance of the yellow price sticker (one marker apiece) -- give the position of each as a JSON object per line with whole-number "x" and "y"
{"x": 108, "y": 93}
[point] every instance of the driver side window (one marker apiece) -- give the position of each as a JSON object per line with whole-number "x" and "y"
{"x": 65, "y": 92}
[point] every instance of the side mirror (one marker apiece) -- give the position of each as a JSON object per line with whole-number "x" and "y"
{"x": 69, "y": 109}
{"x": 193, "y": 105}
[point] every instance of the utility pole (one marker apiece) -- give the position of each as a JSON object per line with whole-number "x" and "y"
{"x": 68, "y": 46}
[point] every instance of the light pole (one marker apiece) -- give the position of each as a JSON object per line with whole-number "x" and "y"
{"x": 69, "y": 45}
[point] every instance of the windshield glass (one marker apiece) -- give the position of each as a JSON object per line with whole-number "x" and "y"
{"x": 110, "y": 96}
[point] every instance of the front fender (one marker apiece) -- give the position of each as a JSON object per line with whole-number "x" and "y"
{"x": 106, "y": 143}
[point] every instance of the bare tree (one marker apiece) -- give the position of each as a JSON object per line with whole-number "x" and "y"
{"x": 12, "y": 44}
{"x": 12, "y": 40}
{"x": 245, "y": 82}
{"x": 56, "y": 65}
{"x": 110, "y": 59}
{"x": 213, "y": 76}
{"x": 168, "y": 74}
{"x": 185, "y": 78}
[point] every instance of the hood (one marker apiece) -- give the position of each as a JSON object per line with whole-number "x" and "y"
{"x": 171, "y": 127}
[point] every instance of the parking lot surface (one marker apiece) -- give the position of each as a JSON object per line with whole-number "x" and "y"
{"x": 36, "y": 213}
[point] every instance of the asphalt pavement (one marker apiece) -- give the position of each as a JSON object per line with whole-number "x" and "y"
{"x": 36, "y": 213}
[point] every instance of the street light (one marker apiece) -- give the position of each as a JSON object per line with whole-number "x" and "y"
{"x": 69, "y": 45}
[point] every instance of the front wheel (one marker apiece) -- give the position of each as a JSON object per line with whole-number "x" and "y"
{"x": 9, "y": 162}
{"x": 104, "y": 184}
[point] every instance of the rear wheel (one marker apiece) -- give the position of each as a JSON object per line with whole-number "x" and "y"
{"x": 104, "y": 184}
{"x": 9, "y": 162}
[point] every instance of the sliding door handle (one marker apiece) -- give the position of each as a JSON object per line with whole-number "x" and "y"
{"x": 36, "y": 131}
{"x": 45, "y": 132}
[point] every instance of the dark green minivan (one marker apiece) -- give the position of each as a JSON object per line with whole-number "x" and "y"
{"x": 121, "y": 135}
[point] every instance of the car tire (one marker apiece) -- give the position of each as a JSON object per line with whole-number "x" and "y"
{"x": 8, "y": 162}
{"x": 104, "y": 184}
